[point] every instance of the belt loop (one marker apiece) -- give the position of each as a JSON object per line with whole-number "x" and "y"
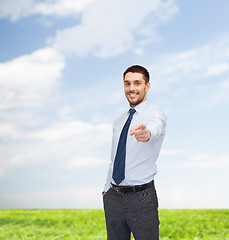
{"x": 134, "y": 188}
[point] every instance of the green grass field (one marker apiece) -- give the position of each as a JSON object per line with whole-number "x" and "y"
{"x": 47, "y": 224}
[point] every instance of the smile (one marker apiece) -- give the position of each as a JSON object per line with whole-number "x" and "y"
{"x": 132, "y": 95}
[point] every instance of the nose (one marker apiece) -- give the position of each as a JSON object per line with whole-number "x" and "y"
{"x": 132, "y": 87}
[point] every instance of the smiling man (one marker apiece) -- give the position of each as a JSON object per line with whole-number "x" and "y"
{"x": 129, "y": 196}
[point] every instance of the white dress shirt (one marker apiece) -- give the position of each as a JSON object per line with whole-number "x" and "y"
{"x": 140, "y": 167}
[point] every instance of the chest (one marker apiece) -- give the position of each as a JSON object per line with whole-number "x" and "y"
{"x": 137, "y": 120}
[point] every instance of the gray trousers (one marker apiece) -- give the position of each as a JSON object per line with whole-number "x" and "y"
{"x": 135, "y": 212}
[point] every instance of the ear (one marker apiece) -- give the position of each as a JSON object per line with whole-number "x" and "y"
{"x": 147, "y": 86}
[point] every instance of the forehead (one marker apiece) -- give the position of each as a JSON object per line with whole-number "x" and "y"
{"x": 134, "y": 76}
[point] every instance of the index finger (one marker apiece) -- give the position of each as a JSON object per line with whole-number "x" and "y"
{"x": 132, "y": 131}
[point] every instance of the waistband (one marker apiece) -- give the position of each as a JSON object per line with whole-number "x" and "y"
{"x": 136, "y": 188}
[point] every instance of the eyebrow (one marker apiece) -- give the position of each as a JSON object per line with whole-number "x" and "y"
{"x": 137, "y": 80}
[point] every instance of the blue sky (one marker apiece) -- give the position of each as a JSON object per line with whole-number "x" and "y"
{"x": 61, "y": 65}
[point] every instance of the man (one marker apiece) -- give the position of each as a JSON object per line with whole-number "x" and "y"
{"x": 130, "y": 199}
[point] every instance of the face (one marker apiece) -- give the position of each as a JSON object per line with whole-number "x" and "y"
{"x": 135, "y": 88}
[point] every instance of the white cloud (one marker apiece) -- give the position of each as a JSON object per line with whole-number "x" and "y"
{"x": 201, "y": 197}
{"x": 82, "y": 162}
{"x": 221, "y": 92}
{"x": 175, "y": 152}
{"x": 86, "y": 132}
{"x": 193, "y": 65}
{"x": 78, "y": 197}
{"x": 61, "y": 8}
{"x": 71, "y": 144}
{"x": 109, "y": 28}
{"x": 8, "y": 130}
{"x": 14, "y": 10}
{"x": 193, "y": 176}
{"x": 201, "y": 161}
{"x": 26, "y": 80}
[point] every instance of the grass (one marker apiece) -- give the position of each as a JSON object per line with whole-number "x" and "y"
{"x": 90, "y": 224}
{"x": 194, "y": 224}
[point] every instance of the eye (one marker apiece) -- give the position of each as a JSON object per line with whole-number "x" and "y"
{"x": 126, "y": 84}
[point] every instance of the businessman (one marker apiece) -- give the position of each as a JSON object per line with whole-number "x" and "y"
{"x": 129, "y": 196}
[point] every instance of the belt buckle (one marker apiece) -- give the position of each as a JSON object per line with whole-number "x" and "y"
{"x": 118, "y": 190}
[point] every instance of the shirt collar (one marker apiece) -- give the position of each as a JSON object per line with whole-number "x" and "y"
{"x": 141, "y": 107}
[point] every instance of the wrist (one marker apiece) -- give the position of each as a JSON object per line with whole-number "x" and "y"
{"x": 149, "y": 136}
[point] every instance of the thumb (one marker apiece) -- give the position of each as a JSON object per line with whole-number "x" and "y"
{"x": 142, "y": 127}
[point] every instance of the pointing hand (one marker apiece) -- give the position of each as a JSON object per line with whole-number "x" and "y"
{"x": 142, "y": 134}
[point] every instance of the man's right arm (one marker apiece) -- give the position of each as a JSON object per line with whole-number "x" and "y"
{"x": 108, "y": 181}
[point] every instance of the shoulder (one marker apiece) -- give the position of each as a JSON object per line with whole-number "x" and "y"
{"x": 120, "y": 117}
{"x": 156, "y": 111}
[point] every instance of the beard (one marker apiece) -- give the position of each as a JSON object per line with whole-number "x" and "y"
{"x": 137, "y": 101}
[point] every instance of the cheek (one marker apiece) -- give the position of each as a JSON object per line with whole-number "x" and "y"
{"x": 142, "y": 90}
{"x": 126, "y": 90}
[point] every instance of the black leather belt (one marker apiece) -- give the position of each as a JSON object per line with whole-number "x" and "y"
{"x": 136, "y": 188}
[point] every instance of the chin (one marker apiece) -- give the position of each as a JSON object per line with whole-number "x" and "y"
{"x": 134, "y": 103}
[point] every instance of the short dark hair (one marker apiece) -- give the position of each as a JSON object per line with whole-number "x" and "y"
{"x": 138, "y": 69}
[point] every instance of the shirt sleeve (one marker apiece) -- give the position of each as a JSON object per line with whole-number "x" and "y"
{"x": 108, "y": 182}
{"x": 109, "y": 174}
{"x": 157, "y": 124}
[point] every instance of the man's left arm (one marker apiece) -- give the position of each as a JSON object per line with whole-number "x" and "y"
{"x": 154, "y": 127}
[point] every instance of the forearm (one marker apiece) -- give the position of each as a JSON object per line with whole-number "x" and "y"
{"x": 157, "y": 126}
{"x": 108, "y": 181}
